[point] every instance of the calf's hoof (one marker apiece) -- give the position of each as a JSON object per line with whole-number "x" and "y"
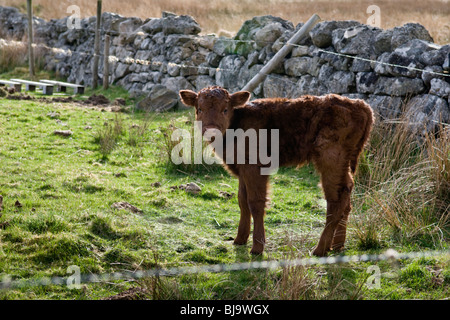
{"x": 239, "y": 242}
{"x": 257, "y": 249}
{"x": 320, "y": 252}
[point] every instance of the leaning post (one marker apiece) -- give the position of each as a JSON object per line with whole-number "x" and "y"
{"x": 258, "y": 78}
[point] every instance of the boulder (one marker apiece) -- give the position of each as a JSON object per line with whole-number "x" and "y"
{"x": 426, "y": 112}
{"x": 257, "y": 33}
{"x": 172, "y": 24}
{"x": 298, "y": 66}
{"x": 337, "y": 61}
{"x": 435, "y": 57}
{"x": 399, "y": 86}
{"x": 439, "y": 88}
{"x": 355, "y": 40}
{"x": 228, "y": 71}
{"x": 385, "y": 107}
{"x": 269, "y": 33}
{"x": 251, "y": 27}
{"x": 341, "y": 82}
{"x": 307, "y": 85}
{"x": 407, "y": 32}
{"x": 431, "y": 72}
{"x": 366, "y": 82}
{"x": 275, "y": 86}
{"x": 321, "y": 33}
{"x": 398, "y": 64}
{"x": 159, "y": 99}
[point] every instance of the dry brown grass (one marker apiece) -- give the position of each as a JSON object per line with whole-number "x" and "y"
{"x": 403, "y": 186}
{"x": 217, "y": 15}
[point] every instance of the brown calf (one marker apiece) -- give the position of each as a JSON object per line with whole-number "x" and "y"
{"x": 329, "y": 131}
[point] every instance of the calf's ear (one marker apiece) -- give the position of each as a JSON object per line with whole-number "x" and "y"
{"x": 239, "y": 98}
{"x": 188, "y": 97}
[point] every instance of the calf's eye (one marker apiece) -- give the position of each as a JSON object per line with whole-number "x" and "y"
{"x": 199, "y": 110}
{"x": 225, "y": 111}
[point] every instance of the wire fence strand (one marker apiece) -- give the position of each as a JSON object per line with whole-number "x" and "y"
{"x": 389, "y": 255}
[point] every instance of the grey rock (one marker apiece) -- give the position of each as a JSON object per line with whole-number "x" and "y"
{"x": 262, "y": 29}
{"x": 213, "y": 59}
{"x": 321, "y": 33}
{"x": 435, "y": 57}
{"x": 177, "y": 83}
{"x": 382, "y": 41}
{"x": 159, "y": 99}
{"x": 278, "y": 86}
{"x": 251, "y": 27}
{"x": 416, "y": 48}
{"x": 385, "y": 107}
{"x": 129, "y": 25}
{"x": 366, "y": 82}
{"x": 307, "y": 84}
{"x": 302, "y": 65}
{"x": 203, "y": 81}
{"x": 446, "y": 65}
{"x": 430, "y": 72}
{"x": 355, "y": 40}
{"x": 337, "y": 61}
{"x": 440, "y": 88}
{"x": 341, "y": 82}
{"x": 399, "y": 86}
{"x": 407, "y": 32}
{"x": 359, "y": 65}
{"x": 426, "y": 112}
{"x": 300, "y": 51}
{"x": 269, "y": 33}
{"x": 228, "y": 71}
{"x": 122, "y": 70}
{"x": 325, "y": 73}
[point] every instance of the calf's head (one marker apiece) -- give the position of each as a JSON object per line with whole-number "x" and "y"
{"x": 214, "y": 106}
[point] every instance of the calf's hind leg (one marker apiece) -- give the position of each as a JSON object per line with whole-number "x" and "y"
{"x": 337, "y": 184}
{"x": 341, "y": 229}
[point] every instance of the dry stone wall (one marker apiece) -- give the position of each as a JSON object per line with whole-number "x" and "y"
{"x": 397, "y": 71}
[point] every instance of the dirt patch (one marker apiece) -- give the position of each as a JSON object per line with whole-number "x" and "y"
{"x": 126, "y": 206}
{"x": 97, "y": 100}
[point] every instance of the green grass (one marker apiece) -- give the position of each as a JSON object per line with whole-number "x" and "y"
{"x": 67, "y": 185}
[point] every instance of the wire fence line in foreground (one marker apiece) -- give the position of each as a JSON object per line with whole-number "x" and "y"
{"x": 76, "y": 279}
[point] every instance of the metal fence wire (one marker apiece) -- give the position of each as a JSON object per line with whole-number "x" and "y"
{"x": 390, "y": 255}
{"x": 76, "y": 279}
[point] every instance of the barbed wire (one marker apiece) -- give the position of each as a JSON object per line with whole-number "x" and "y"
{"x": 389, "y": 255}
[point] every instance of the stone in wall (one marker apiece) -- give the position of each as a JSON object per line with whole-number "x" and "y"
{"x": 332, "y": 58}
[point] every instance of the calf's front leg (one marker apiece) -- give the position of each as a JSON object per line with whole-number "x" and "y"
{"x": 256, "y": 195}
{"x": 245, "y": 220}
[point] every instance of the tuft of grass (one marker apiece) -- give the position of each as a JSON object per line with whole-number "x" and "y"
{"x": 108, "y": 136}
{"x": 403, "y": 187}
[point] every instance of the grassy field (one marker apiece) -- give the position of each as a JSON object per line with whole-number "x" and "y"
{"x": 58, "y": 195}
{"x": 217, "y": 15}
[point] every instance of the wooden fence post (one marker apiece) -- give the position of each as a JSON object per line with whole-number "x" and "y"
{"x": 106, "y": 63}
{"x": 97, "y": 46}
{"x": 30, "y": 37}
{"x": 257, "y": 79}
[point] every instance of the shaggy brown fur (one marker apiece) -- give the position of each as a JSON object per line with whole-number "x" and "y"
{"x": 329, "y": 131}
